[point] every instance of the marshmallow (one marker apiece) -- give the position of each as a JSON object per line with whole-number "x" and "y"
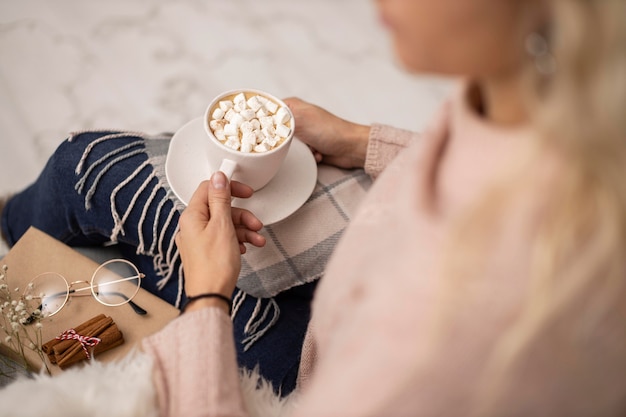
{"x": 266, "y": 121}
{"x": 282, "y": 116}
{"x": 271, "y": 141}
{"x": 226, "y": 105}
{"x": 246, "y": 147}
{"x": 283, "y": 131}
{"x": 269, "y": 131}
{"x": 254, "y": 103}
{"x": 249, "y": 138}
{"x": 271, "y": 106}
{"x": 218, "y": 114}
{"x": 262, "y": 147}
{"x": 217, "y": 124}
{"x": 240, "y": 102}
{"x": 254, "y": 124}
{"x": 240, "y": 106}
{"x": 233, "y": 142}
{"x": 246, "y": 127}
{"x": 248, "y": 114}
{"x": 231, "y": 130}
{"x": 237, "y": 120}
{"x": 241, "y": 97}
{"x": 220, "y": 135}
{"x": 230, "y": 113}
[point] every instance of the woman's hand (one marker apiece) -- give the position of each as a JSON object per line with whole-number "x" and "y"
{"x": 212, "y": 235}
{"x": 334, "y": 141}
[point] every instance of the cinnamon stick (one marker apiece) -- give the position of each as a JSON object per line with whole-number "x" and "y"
{"x": 85, "y": 329}
{"x": 47, "y": 347}
{"x": 65, "y": 353}
{"x": 69, "y": 347}
{"x": 109, "y": 338}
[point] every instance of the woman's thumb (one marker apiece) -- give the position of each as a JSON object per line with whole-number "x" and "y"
{"x": 219, "y": 195}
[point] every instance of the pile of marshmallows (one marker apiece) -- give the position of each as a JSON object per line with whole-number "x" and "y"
{"x": 256, "y": 124}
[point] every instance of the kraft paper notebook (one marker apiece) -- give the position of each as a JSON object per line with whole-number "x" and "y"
{"x": 36, "y": 253}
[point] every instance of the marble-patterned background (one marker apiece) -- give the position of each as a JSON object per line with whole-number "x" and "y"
{"x": 152, "y": 65}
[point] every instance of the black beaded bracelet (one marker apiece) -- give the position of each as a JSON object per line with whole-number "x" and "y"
{"x": 208, "y": 295}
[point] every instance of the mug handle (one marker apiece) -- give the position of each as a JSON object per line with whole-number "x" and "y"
{"x": 228, "y": 167}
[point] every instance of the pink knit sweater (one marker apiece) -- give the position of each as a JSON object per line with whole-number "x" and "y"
{"x": 373, "y": 348}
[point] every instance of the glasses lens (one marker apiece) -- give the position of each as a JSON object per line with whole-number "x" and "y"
{"x": 115, "y": 282}
{"x": 46, "y": 293}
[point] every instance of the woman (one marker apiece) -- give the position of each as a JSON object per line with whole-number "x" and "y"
{"x": 484, "y": 273}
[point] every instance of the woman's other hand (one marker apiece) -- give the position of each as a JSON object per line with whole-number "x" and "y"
{"x": 333, "y": 140}
{"x": 212, "y": 235}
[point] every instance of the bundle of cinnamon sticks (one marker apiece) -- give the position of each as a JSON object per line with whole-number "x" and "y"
{"x": 81, "y": 344}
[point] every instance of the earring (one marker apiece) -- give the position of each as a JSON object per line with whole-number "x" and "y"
{"x": 538, "y": 48}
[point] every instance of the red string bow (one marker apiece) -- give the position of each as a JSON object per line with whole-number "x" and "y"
{"x": 85, "y": 341}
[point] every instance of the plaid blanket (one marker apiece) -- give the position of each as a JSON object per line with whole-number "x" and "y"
{"x": 299, "y": 247}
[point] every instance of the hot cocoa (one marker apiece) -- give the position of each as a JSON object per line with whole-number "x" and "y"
{"x": 250, "y": 122}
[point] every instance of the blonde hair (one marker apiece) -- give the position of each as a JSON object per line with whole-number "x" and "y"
{"x": 577, "y": 272}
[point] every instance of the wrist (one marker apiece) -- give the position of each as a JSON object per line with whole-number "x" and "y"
{"x": 357, "y": 137}
{"x": 200, "y": 301}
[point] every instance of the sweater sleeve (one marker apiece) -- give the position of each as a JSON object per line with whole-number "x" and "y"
{"x": 195, "y": 366}
{"x": 384, "y": 144}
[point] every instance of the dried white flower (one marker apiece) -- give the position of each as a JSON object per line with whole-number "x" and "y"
{"x": 16, "y": 328}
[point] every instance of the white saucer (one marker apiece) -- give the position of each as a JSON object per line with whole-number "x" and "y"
{"x": 187, "y": 165}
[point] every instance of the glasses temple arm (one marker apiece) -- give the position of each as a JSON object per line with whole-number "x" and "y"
{"x": 136, "y": 308}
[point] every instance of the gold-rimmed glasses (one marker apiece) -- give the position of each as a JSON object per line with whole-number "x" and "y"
{"x": 113, "y": 283}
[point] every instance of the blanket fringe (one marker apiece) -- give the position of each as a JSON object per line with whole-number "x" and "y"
{"x": 253, "y": 329}
{"x": 164, "y": 253}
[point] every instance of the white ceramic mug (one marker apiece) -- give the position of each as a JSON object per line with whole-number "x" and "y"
{"x": 254, "y": 169}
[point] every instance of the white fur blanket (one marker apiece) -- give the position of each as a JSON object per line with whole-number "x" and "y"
{"x": 122, "y": 388}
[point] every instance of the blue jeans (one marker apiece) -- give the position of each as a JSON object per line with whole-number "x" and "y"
{"x": 100, "y": 187}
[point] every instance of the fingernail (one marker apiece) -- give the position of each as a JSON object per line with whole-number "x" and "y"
{"x": 219, "y": 180}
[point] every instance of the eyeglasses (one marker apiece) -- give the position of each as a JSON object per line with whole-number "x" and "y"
{"x": 114, "y": 283}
